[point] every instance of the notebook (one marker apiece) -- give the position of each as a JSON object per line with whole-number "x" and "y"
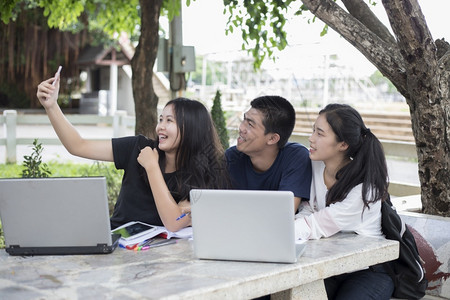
{"x": 52, "y": 216}
{"x": 244, "y": 225}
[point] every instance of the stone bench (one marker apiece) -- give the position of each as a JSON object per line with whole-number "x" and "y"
{"x": 432, "y": 235}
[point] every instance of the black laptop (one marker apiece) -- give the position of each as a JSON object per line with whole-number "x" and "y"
{"x": 56, "y": 216}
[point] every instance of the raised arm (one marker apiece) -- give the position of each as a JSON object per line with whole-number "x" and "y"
{"x": 68, "y": 135}
{"x": 168, "y": 209}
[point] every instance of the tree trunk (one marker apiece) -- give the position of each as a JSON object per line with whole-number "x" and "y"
{"x": 145, "y": 99}
{"x": 428, "y": 102}
{"x": 419, "y": 74}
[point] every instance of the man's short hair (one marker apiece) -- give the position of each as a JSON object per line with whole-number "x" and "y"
{"x": 278, "y": 116}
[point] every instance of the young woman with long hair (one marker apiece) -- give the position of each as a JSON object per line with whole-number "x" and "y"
{"x": 350, "y": 181}
{"x": 158, "y": 174}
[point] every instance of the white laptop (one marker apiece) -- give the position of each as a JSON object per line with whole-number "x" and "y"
{"x": 244, "y": 225}
{"x": 52, "y": 216}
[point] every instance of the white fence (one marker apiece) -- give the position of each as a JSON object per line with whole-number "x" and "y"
{"x": 121, "y": 123}
{"x": 391, "y": 148}
{"x": 10, "y": 119}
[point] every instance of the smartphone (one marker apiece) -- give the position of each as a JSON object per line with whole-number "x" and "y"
{"x": 134, "y": 230}
{"x": 57, "y": 75}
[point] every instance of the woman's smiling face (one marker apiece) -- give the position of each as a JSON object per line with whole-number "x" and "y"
{"x": 168, "y": 131}
{"x": 323, "y": 143}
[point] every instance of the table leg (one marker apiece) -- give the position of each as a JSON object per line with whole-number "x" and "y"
{"x": 312, "y": 290}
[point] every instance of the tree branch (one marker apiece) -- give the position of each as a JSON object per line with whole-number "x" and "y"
{"x": 442, "y": 47}
{"x": 361, "y": 11}
{"x": 409, "y": 25}
{"x": 384, "y": 56}
{"x": 415, "y": 42}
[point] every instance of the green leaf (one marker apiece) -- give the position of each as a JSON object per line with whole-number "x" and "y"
{"x": 6, "y": 9}
{"x": 324, "y": 30}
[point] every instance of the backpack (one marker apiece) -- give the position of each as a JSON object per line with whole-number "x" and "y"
{"x": 407, "y": 271}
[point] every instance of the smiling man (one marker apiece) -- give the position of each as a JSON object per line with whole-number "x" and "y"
{"x": 263, "y": 159}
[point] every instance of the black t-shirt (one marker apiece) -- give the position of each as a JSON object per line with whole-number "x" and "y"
{"x": 135, "y": 201}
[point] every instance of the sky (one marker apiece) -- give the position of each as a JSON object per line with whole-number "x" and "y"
{"x": 204, "y": 28}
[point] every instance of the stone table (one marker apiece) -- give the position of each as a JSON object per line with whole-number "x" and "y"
{"x": 172, "y": 272}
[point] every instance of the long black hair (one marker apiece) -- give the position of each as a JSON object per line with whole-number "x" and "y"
{"x": 200, "y": 159}
{"x": 367, "y": 161}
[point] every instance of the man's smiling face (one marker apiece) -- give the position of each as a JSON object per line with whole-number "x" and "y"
{"x": 252, "y": 137}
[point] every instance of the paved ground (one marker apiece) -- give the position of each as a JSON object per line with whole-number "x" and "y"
{"x": 399, "y": 171}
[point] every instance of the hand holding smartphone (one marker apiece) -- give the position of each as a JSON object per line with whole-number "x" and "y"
{"x": 57, "y": 74}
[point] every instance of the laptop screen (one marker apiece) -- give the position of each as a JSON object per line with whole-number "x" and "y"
{"x": 55, "y": 212}
{"x": 243, "y": 225}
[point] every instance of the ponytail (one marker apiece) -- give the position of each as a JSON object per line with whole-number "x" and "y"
{"x": 367, "y": 161}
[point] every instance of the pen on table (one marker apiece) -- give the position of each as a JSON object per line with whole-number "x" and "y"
{"x": 162, "y": 243}
{"x": 143, "y": 244}
{"x": 131, "y": 247}
{"x": 146, "y": 242}
{"x": 183, "y": 215}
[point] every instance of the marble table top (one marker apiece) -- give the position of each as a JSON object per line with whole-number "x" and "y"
{"x": 172, "y": 272}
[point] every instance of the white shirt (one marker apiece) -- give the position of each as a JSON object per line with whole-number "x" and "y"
{"x": 347, "y": 215}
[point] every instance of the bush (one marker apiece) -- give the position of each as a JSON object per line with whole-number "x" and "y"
{"x": 33, "y": 165}
{"x": 219, "y": 120}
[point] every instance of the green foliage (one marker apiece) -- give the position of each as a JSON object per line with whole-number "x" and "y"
{"x": 7, "y": 10}
{"x": 324, "y": 30}
{"x": 219, "y": 120}
{"x": 171, "y": 8}
{"x": 62, "y": 14}
{"x": 33, "y": 165}
{"x": 262, "y": 24}
{"x": 115, "y": 16}
{"x": 107, "y": 16}
{"x": 260, "y": 21}
{"x": 378, "y": 79}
